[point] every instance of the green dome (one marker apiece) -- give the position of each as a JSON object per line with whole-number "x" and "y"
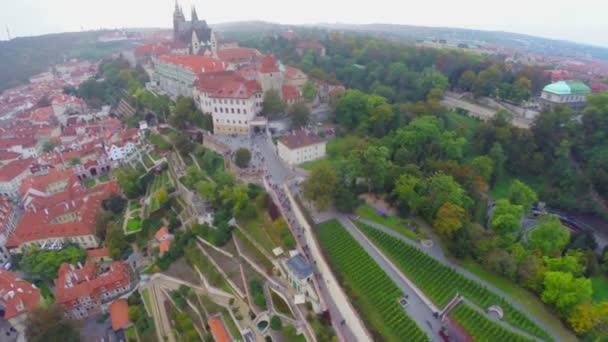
{"x": 567, "y": 88}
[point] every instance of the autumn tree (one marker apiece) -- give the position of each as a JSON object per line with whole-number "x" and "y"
{"x": 450, "y": 219}
{"x": 321, "y": 185}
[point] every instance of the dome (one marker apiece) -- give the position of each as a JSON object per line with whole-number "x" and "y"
{"x": 567, "y": 88}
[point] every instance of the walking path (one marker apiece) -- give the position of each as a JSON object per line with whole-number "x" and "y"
{"x": 437, "y": 253}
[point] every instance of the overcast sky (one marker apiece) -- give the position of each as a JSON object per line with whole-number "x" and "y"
{"x": 580, "y": 20}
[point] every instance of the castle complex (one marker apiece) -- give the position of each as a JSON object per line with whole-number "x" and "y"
{"x": 194, "y": 36}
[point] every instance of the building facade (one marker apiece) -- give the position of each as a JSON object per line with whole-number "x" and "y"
{"x": 569, "y": 93}
{"x": 301, "y": 146}
{"x": 176, "y": 74}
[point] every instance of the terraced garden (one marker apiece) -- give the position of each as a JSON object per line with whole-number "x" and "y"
{"x": 481, "y": 328}
{"x": 373, "y": 293}
{"x": 440, "y": 282}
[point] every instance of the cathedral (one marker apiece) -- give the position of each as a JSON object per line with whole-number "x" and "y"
{"x": 195, "y": 37}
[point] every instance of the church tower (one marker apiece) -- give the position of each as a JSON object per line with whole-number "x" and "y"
{"x": 178, "y": 18}
{"x": 194, "y": 15}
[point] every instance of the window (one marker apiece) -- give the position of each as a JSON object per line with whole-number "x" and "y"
{"x": 238, "y": 110}
{"x": 232, "y": 110}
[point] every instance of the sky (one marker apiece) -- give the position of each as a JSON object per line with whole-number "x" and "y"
{"x": 581, "y": 20}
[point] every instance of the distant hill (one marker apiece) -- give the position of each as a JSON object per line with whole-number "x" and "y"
{"x": 23, "y": 57}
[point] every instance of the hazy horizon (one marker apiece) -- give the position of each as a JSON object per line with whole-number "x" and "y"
{"x": 580, "y": 22}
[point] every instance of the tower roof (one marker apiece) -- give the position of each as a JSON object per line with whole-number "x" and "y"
{"x": 567, "y": 88}
{"x": 194, "y": 15}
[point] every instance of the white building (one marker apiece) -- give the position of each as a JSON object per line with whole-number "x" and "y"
{"x": 570, "y": 93}
{"x": 176, "y": 74}
{"x": 299, "y": 274}
{"x": 301, "y": 146}
{"x": 232, "y": 101}
{"x": 119, "y": 152}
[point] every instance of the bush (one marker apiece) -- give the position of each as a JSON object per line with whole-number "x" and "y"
{"x": 275, "y": 323}
{"x": 243, "y": 157}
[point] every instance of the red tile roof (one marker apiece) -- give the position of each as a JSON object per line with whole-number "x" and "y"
{"x": 73, "y": 284}
{"x": 18, "y": 295}
{"x": 227, "y": 84}
{"x": 238, "y": 55}
{"x": 164, "y": 247}
{"x": 218, "y": 330}
{"x": 6, "y": 211}
{"x": 162, "y": 233}
{"x": 292, "y": 72}
{"x": 98, "y": 253}
{"x": 300, "y": 138}
{"x": 13, "y": 169}
{"x": 42, "y": 182}
{"x": 8, "y": 155}
{"x": 290, "y": 93}
{"x": 269, "y": 64}
{"x": 119, "y": 314}
{"x": 198, "y": 64}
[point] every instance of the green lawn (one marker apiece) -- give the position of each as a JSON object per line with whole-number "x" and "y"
{"x": 159, "y": 142}
{"x": 522, "y": 296}
{"x": 600, "y": 288}
{"x": 230, "y": 324}
{"x": 253, "y": 251}
{"x": 89, "y": 183}
{"x": 133, "y": 225}
{"x": 393, "y": 222}
{"x": 104, "y": 179}
{"x": 501, "y": 188}
{"x": 131, "y": 333}
{"x": 134, "y": 205}
{"x": 316, "y": 163}
{"x": 146, "y": 296}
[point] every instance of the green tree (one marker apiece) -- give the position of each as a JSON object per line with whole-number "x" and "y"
{"x": 467, "y": 80}
{"x": 183, "y": 144}
{"x": 449, "y": 220}
{"x": 275, "y": 323}
{"x": 549, "y": 236}
{"x": 44, "y": 264}
{"x": 242, "y": 157}
{"x": 128, "y": 179}
{"x": 309, "y": 91}
{"x": 487, "y": 81}
{"x": 443, "y": 189}
{"x": 484, "y": 167}
{"x": 374, "y": 164}
{"x": 321, "y": 186}
{"x": 48, "y": 146}
{"x": 572, "y": 262}
{"x": 565, "y": 292}
{"x": 522, "y": 89}
{"x": 273, "y": 105}
{"x": 50, "y": 324}
{"x": 520, "y": 193}
{"x": 345, "y": 200}
{"x": 351, "y": 109}
{"x": 531, "y": 272}
{"x": 115, "y": 203}
{"x": 75, "y": 161}
{"x": 162, "y": 197}
{"x": 506, "y": 217}
{"x": 499, "y": 158}
{"x": 118, "y": 246}
{"x": 300, "y": 115}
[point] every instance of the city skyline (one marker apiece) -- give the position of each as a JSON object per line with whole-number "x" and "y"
{"x": 550, "y": 19}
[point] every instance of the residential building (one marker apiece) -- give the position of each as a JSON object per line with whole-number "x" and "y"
{"x": 299, "y": 275}
{"x": 232, "y": 101}
{"x": 99, "y": 255}
{"x": 164, "y": 239}
{"x": 176, "y": 74}
{"x": 11, "y": 176}
{"x": 291, "y": 94}
{"x": 89, "y": 290}
{"x": 301, "y": 146}
{"x": 9, "y": 217}
{"x": 17, "y": 299}
{"x": 26, "y": 146}
{"x": 218, "y": 329}
{"x": 93, "y": 168}
{"x": 65, "y": 105}
{"x": 569, "y": 93}
{"x": 295, "y": 77}
{"x": 119, "y": 314}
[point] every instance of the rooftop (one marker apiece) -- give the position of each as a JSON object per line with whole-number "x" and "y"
{"x": 18, "y": 295}
{"x": 300, "y": 138}
{"x": 568, "y": 88}
{"x": 198, "y": 64}
{"x": 218, "y": 330}
{"x": 300, "y": 267}
{"x": 119, "y": 314}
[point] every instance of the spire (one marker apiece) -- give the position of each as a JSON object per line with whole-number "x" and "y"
{"x": 194, "y": 15}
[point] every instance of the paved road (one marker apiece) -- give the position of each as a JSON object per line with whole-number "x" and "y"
{"x": 437, "y": 253}
{"x": 417, "y": 309}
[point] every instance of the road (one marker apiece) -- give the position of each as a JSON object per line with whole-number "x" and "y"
{"x": 481, "y": 112}
{"x": 438, "y": 254}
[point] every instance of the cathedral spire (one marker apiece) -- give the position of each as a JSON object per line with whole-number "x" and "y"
{"x": 194, "y": 15}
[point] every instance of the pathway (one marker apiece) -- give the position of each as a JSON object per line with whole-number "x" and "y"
{"x": 437, "y": 253}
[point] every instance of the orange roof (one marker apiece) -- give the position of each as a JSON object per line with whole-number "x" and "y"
{"x": 119, "y": 314}
{"x": 165, "y": 245}
{"x": 292, "y": 72}
{"x": 218, "y": 330}
{"x": 18, "y": 295}
{"x": 11, "y": 170}
{"x": 198, "y": 64}
{"x": 269, "y": 64}
{"x": 236, "y": 55}
{"x": 290, "y": 92}
{"x": 42, "y": 182}
{"x": 98, "y": 253}
{"x": 160, "y": 234}
{"x": 300, "y": 138}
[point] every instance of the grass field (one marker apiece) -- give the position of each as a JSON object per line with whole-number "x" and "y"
{"x": 133, "y": 225}
{"x": 372, "y": 293}
{"x": 104, "y": 179}
{"x": 393, "y": 222}
{"x": 254, "y": 251}
{"x": 600, "y": 288}
{"x": 483, "y": 329}
{"x": 131, "y": 334}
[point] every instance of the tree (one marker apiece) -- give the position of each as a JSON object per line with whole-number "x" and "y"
{"x": 522, "y": 89}
{"x": 520, "y": 193}
{"x": 242, "y": 157}
{"x": 345, "y": 200}
{"x": 75, "y": 161}
{"x": 49, "y": 146}
{"x": 580, "y": 319}
{"x": 442, "y": 189}
{"x": 50, "y": 324}
{"x": 449, "y": 220}
{"x": 487, "y": 81}
{"x": 506, "y": 217}
{"x": 564, "y": 291}
{"x": 128, "y": 179}
{"x": 309, "y": 91}
{"x": 275, "y": 323}
{"x": 118, "y": 246}
{"x": 44, "y": 264}
{"x": 162, "y": 197}
{"x": 572, "y": 262}
{"x": 549, "y": 236}
{"x": 115, "y": 203}
{"x": 484, "y": 167}
{"x": 467, "y": 80}
{"x": 500, "y": 158}
{"x": 101, "y": 222}
{"x": 321, "y": 185}
{"x": 373, "y": 165}
{"x": 273, "y": 105}
{"x": 531, "y": 272}
{"x": 183, "y": 144}
{"x": 300, "y": 115}
{"x": 500, "y": 262}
